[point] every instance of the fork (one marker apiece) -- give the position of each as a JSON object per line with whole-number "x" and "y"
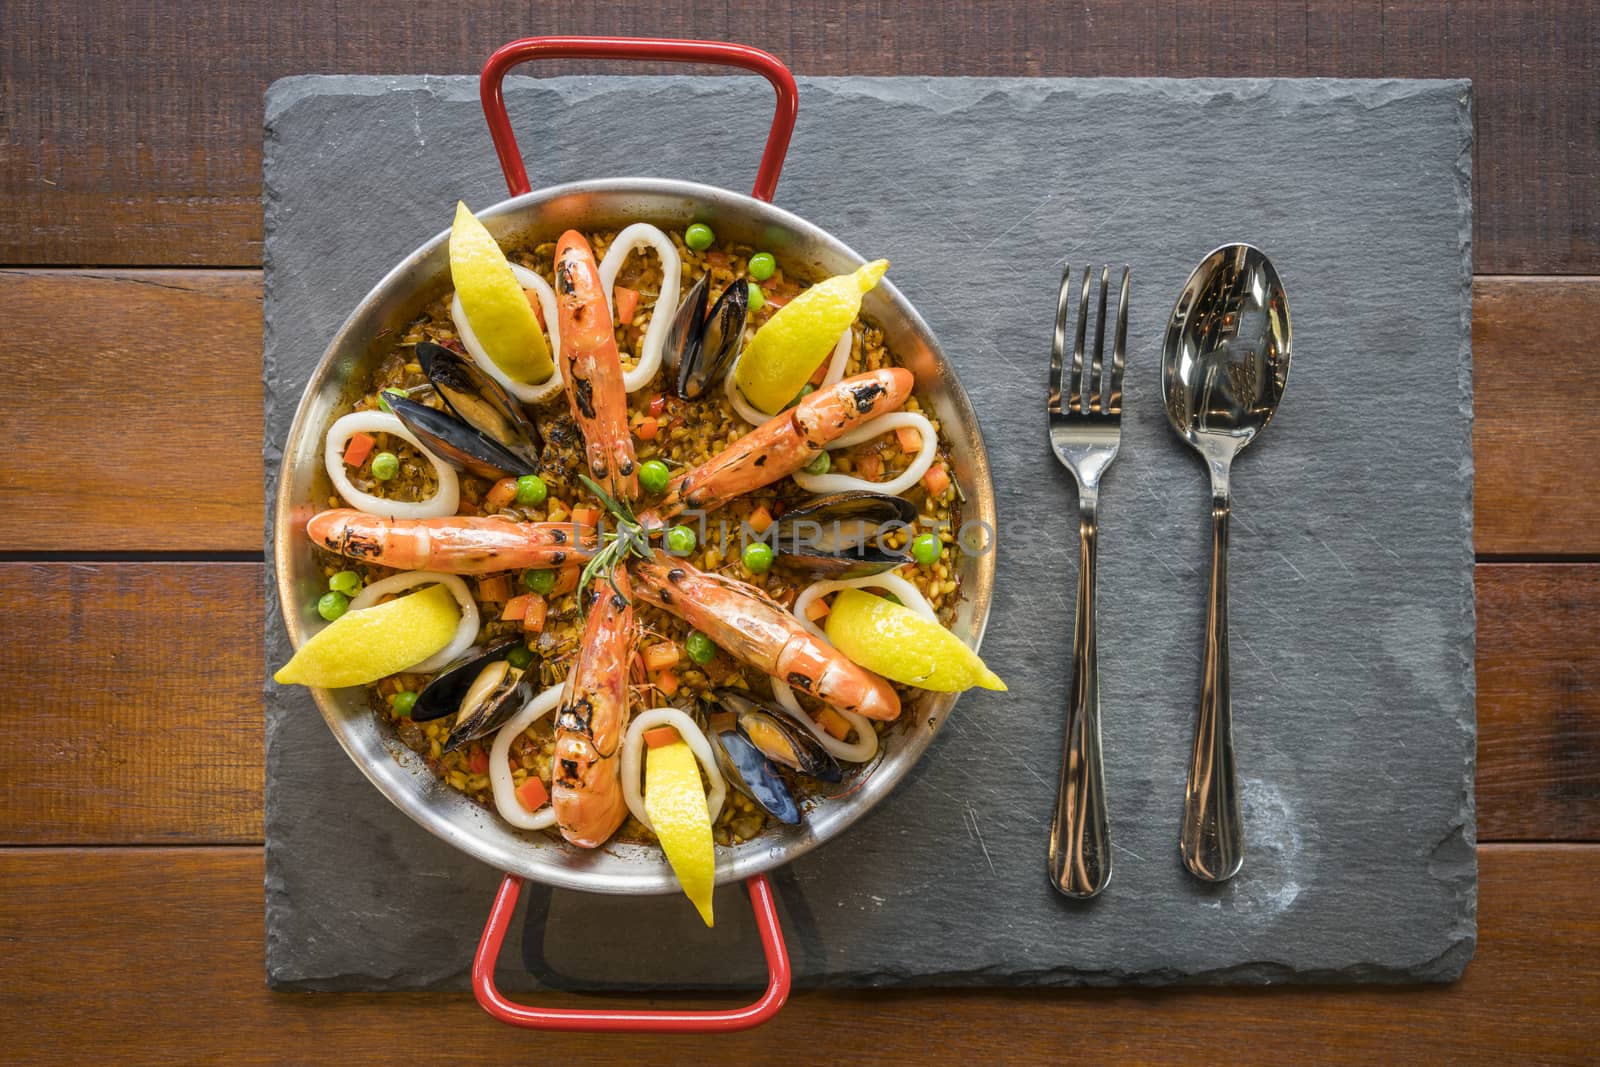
{"x": 1085, "y": 430}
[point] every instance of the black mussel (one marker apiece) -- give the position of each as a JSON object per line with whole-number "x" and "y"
{"x": 702, "y": 345}
{"x": 778, "y": 737}
{"x": 841, "y": 535}
{"x": 455, "y": 442}
{"x": 478, "y": 400}
{"x": 752, "y": 774}
{"x": 482, "y": 690}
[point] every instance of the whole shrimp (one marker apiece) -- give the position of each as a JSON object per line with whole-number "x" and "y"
{"x": 755, "y": 630}
{"x": 593, "y": 369}
{"x": 462, "y": 544}
{"x": 787, "y": 442}
{"x": 586, "y": 787}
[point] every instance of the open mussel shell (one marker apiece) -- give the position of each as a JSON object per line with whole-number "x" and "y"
{"x": 721, "y": 336}
{"x": 453, "y": 441}
{"x": 482, "y": 690}
{"x": 754, "y": 775}
{"x": 778, "y": 737}
{"x": 841, "y": 535}
{"x": 478, "y": 400}
{"x": 688, "y": 327}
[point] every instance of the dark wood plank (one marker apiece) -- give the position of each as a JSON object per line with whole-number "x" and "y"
{"x": 114, "y": 658}
{"x": 134, "y": 422}
{"x": 136, "y": 697}
{"x": 1539, "y": 702}
{"x": 133, "y": 131}
{"x": 1535, "y": 437}
{"x": 195, "y": 418}
{"x": 129, "y": 956}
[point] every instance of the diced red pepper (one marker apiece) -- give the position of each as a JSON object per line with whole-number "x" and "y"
{"x": 516, "y": 608}
{"x": 662, "y": 654}
{"x": 627, "y": 301}
{"x": 870, "y": 466}
{"x": 661, "y": 735}
{"x": 818, "y": 609}
{"x": 910, "y": 440}
{"x": 533, "y": 614}
{"x": 658, "y": 403}
{"x": 667, "y": 682}
{"x": 586, "y": 516}
{"x": 495, "y": 589}
{"x": 647, "y": 429}
{"x": 532, "y": 794}
{"x": 937, "y": 480}
{"x": 500, "y": 495}
{"x": 760, "y": 519}
{"x": 478, "y": 760}
{"x": 359, "y": 448}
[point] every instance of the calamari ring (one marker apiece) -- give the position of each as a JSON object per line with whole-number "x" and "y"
{"x": 438, "y": 506}
{"x": 505, "y": 787}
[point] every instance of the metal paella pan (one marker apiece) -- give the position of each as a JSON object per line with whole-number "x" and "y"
{"x": 527, "y": 220}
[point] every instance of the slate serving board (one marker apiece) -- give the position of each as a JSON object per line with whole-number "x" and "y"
{"x": 1352, "y": 595}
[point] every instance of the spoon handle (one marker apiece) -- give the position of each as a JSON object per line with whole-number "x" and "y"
{"x": 1080, "y": 841}
{"x": 1213, "y": 833}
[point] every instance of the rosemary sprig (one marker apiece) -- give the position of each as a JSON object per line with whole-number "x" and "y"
{"x": 627, "y": 540}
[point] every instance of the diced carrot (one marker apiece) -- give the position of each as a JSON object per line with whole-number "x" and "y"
{"x": 359, "y": 448}
{"x": 870, "y": 466}
{"x": 662, "y": 654}
{"x": 516, "y": 608}
{"x": 836, "y": 725}
{"x": 500, "y": 495}
{"x": 537, "y": 305}
{"x": 717, "y": 258}
{"x": 586, "y": 516}
{"x": 533, "y": 614}
{"x": 566, "y": 580}
{"x": 495, "y": 589}
{"x": 627, "y": 302}
{"x": 937, "y": 480}
{"x": 532, "y": 794}
{"x": 818, "y": 609}
{"x": 648, "y": 428}
{"x": 667, "y": 682}
{"x": 760, "y": 519}
{"x": 910, "y": 440}
{"x": 478, "y": 760}
{"x": 661, "y": 735}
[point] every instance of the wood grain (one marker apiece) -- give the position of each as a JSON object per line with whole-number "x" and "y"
{"x": 1539, "y": 702}
{"x": 132, "y": 131}
{"x": 115, "y": 955}
{"x": 1535, "y": 437}
{"x": 135, "y": 692}
{"x": 193, "y": 339}
{"x": 129, "y": 700}
{"x": 134, "y": 420}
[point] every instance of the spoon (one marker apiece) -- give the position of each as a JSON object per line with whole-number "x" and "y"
{"x": 1223, "y": 369}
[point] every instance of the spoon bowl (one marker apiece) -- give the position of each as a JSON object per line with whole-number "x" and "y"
{"x": 1223, "y": 369}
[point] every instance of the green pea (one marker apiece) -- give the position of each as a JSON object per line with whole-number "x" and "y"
{"x": 926, "y": 549}
{"x": 757, "y": 557}
{"x": 654, "y": 476}
{"x": 346, "y": 582}
{"x": 700, "y": 648}
{"x": 385, "y": 465}
{"x": 758, "y": 299}
{"x": 699, "y": 237}
{"x": 520, "y": 657}
{"x": 681, "y": 540}
{"x": 404, "y": 701}
{"x": 762, "y": 266}
{"x": 531, "y": 490}
{"x": 539, "y": 581}
{"x": 331, "y": 605}
{"x": 821, "y": 465}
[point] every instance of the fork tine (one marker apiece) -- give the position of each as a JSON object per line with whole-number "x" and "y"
{"x": 1058, "y": 341}
{"x": 1118, "y": 348}
{"x": 1095, "y": 402}
{"x": 1075, "y": 399}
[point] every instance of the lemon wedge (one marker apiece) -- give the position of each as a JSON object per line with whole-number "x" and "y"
{"x": 494, "y": 303}
{"x": 676, "y": 803}
{"x": 785, "y": 351}
{"x": 365, "y": 645}
{"x": 901, "y": 645}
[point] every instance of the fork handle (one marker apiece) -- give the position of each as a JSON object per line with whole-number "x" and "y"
{"x": 1080, "y": 839}
{"x": 1213, "y": 832}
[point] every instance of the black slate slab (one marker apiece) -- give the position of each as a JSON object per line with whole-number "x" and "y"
{"x": 1352, "y": 594}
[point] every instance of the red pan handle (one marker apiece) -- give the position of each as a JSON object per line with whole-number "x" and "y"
{"x": 608, "y": 1021}
{"x": 672, "y": 51}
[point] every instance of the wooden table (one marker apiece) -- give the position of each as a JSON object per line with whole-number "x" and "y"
{"x": 131, "y": 522}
